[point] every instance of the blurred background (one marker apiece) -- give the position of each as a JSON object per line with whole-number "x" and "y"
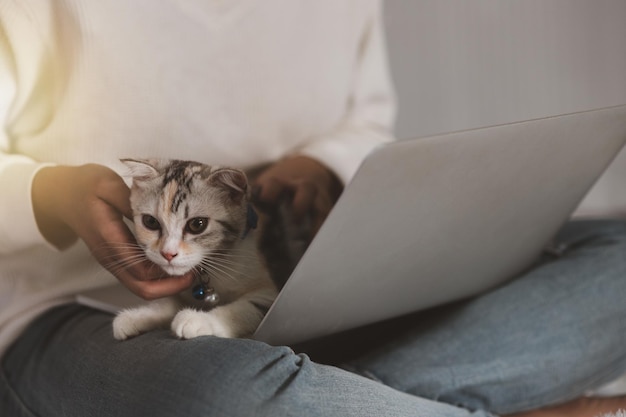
{"x": 460, "y": 64}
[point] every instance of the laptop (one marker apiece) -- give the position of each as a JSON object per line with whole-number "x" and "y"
{"x": 437, "y": 219}
{"x": 433, "y": 220}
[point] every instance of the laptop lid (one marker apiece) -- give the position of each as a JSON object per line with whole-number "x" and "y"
{"x": 436, "y": 219}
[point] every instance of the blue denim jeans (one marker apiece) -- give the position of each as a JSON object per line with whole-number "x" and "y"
{"x": 546, "y": 337}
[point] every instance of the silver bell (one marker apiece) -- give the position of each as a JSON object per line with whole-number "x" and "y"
{"x": 212, "y": 297}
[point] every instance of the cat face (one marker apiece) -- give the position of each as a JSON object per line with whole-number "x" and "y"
{"x": 186, "y": 211}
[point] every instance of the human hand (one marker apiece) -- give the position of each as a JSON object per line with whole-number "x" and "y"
{"x": 311, "y": 188}
{"x": 89, "y": 202}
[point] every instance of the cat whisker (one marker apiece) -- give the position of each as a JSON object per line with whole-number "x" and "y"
{"x": 116, "y": 267}
{"x": 129, "y": 259}
{"x": 127, "y": 255}
{"x": 235, "y": 254}
{"x": 233, "y": 262}
{"x": 218, "y": 274}
{"x": 215, "y": 266}
{"x": 120, "y": 245}
{"x": 223, "y": 261}
{"x": 114, "y": 250}
{"x": 232, "y": 250}
{"x": 224, "y": 271}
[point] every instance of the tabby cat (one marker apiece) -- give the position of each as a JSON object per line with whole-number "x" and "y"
{"x": 193, "y": 217}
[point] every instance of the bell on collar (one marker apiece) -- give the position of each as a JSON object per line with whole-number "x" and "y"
{"x": 204, "y": 293}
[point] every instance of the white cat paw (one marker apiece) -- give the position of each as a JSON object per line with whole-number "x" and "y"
{"x": 126, "y": 325}
{"x": 190, "y": 323}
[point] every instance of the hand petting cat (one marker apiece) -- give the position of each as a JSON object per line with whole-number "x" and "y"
{"x": 90, "y": 202}
{"x": 311, "y": 187}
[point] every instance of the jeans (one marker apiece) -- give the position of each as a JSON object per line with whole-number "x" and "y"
{"x": 546, "y": 337}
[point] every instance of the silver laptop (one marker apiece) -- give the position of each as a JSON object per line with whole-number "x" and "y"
{"x": 437, "y": 219}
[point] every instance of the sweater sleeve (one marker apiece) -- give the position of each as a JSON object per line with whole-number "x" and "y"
{"x": 18, "y": 228}
{"x": 370, "y": 109}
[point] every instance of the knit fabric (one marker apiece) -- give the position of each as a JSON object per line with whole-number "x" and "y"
{"x": 239, "y": 83}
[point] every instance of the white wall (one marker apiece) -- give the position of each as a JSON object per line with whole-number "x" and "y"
{"x": 460, "y": 64}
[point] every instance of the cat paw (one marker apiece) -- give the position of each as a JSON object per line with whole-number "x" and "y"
{"x": 190, "y": 323}
{"x": 125, "y": 326}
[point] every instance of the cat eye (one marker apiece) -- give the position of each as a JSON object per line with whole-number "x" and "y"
{"x": 197, "y": 225}
{"x": 150, "y": 222}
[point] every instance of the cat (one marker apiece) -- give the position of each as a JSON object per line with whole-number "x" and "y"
{"x": 189, "y": 216}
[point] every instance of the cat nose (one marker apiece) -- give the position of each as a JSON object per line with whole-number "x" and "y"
{"x": 169, "y": 256}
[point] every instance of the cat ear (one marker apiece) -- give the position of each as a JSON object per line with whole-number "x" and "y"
{"x": 140, "y": 169}
{"x": 232, "y": 180}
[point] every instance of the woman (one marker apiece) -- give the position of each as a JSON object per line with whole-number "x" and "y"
{"x": 301, "y": 87}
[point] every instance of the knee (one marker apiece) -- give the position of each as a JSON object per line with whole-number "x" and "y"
{"x": 592, "y": 234}
{"x": 217, "y": 377}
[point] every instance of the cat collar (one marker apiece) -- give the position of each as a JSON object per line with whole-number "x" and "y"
{"x": 203, "y": 292}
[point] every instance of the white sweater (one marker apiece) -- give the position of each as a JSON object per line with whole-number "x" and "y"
{"x": 238, "y": 83}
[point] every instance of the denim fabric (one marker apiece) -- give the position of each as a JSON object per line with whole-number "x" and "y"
{"x": 67, "y": 364}
{"x": 546, "y": 337}
{"x": 549, "y": 336}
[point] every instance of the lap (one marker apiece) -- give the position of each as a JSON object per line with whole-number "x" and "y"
{"x": 70, "y": 357}
{"x": 67, "y": 363}
{"x": 548, "y": 336}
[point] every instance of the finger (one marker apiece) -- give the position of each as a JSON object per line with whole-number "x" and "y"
{"x": 114, "y": 230}
{"x": 112, "y": 238}
{"x": 128, "y": 263}
{"x": 323, "y": 206}
{"x": 303, "y": 202}
{"x": 123, "y": 257}
{"x": 150, "y": 290}
{"x": 116, "y": 249}
{"x": 140, "y": 269}
{"x": 115, "y": 193}
{"x": 272, "y": 189}
{"x": 147, "y": 280}
{"x": 141, "y": 276}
